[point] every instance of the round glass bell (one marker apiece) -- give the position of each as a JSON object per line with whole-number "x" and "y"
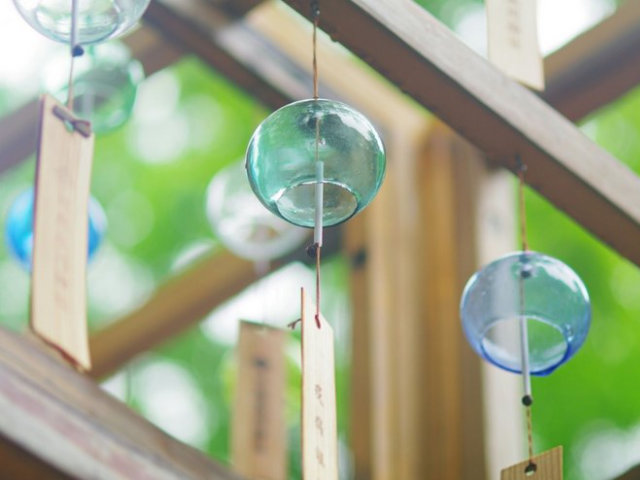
{"x": 104, "y": 87}
{"x": 98, "y": 20}
{"x": 242, "y": 224}
{"x": 541, "y": 290}
{"x": 19, "y": 227}
{"x": 285, "y": 152}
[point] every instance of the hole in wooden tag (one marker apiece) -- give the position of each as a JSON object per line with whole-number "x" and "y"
{"x": 546, "y": 466}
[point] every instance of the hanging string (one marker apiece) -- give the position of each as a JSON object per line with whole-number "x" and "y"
{"x": 315, "y": 12}
{"x": 75, "y": 50}
{"x": 522, "y": 168}
{"x": 527, "y": 399}
{"x": 319, "y": 187}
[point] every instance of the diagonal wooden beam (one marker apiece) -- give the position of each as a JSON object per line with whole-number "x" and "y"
{"x": 597, "y": 67}
{"x": 505, "y": 120}
{"x": 633, "y": 474}
{"x": 206, "y": 43}
{"x": 64, "y": 426}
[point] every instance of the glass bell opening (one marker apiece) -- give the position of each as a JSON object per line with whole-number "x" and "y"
{"x": 285, "y": 149}
{"x": 529, "y": 286}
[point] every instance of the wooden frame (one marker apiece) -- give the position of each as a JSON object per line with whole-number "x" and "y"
{"x": 503, "y": 119}
{"x": 65, "y": 426}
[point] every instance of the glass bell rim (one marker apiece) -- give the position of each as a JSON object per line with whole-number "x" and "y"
{"x": 570, "y": 348}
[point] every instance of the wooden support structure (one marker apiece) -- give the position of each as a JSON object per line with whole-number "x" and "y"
{"x": 633, "y": 474}
{"x": 67, "y": 427}
{"x": 419, "y": 391}
{"x": 597, "y": 67}
{"x": 503, "y": 119}
{"x": 207, "y": 42}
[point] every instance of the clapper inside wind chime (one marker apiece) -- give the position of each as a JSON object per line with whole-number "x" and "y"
{"x": 58, "y": 287}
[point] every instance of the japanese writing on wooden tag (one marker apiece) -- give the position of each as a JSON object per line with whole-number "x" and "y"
{"x": 259, "y": 443}
{"x": 58, "y": 286}
{"x": 513, "y": 40}
{"x": 319, "y": 426}
{"x": 548, "y": 466}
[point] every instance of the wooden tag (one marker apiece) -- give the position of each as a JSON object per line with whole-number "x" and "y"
{"x": 319, "y": 424}
{"x": 259, "y": 432}
{"x": 548, "y": 467}
{"x": 58, "y": 286}
{"x": 513, "y": 40}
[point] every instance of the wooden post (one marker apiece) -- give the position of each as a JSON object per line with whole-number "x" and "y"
{"x": 415, "y": 376}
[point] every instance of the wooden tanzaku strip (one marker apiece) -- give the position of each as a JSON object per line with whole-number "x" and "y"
{"x": 513, "y": 44}
{"x": 423, "y": 58}
{"x": 319, "y": 421}
{"x": 58, "y": 286}
{"x": 547, "y": 466}
{"x": 259, "y": 429}
{"x": 60, "y": 418}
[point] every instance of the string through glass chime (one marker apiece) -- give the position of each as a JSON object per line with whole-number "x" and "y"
{"x": 315, "y": 162}
{"x": 526, "y": 313}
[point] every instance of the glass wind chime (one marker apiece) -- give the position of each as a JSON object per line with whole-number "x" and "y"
{"x": 316, "y": 163}
{"x": 527, "y": 313}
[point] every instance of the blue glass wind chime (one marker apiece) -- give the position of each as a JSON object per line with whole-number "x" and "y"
{"x": 526, "y": 313}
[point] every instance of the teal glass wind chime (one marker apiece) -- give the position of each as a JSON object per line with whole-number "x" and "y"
{"x": 526, "y": 313}
{"x": 315, "y": 162}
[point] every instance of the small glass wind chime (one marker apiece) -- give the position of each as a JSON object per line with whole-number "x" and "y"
{"x": 316, "y": 163}
{"x": 527, "y": 313}
{"x": 61, "y": 235}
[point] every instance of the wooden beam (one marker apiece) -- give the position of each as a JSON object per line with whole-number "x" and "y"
{"x": 597, "y": 67}
{"x": 204, "y": 41}
{"x": 505, "y": 120}
{"x": 633, "y": 474}
{"x": 64, "y": 419}
{"x": 237, "y": 8}
{"x": 18, "y": 463}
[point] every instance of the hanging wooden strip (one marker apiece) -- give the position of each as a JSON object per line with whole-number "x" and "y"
{"x": 548, "y": 467}
{"x": 259, "y": 432}
{"x": 58, "y": 286}
{"x": 319, "y": 425}
{"x": 513, "y": 40}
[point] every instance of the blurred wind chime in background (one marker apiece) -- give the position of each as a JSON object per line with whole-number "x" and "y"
{"x": 313, "y": 163}
{"x": 62, "y": 232}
